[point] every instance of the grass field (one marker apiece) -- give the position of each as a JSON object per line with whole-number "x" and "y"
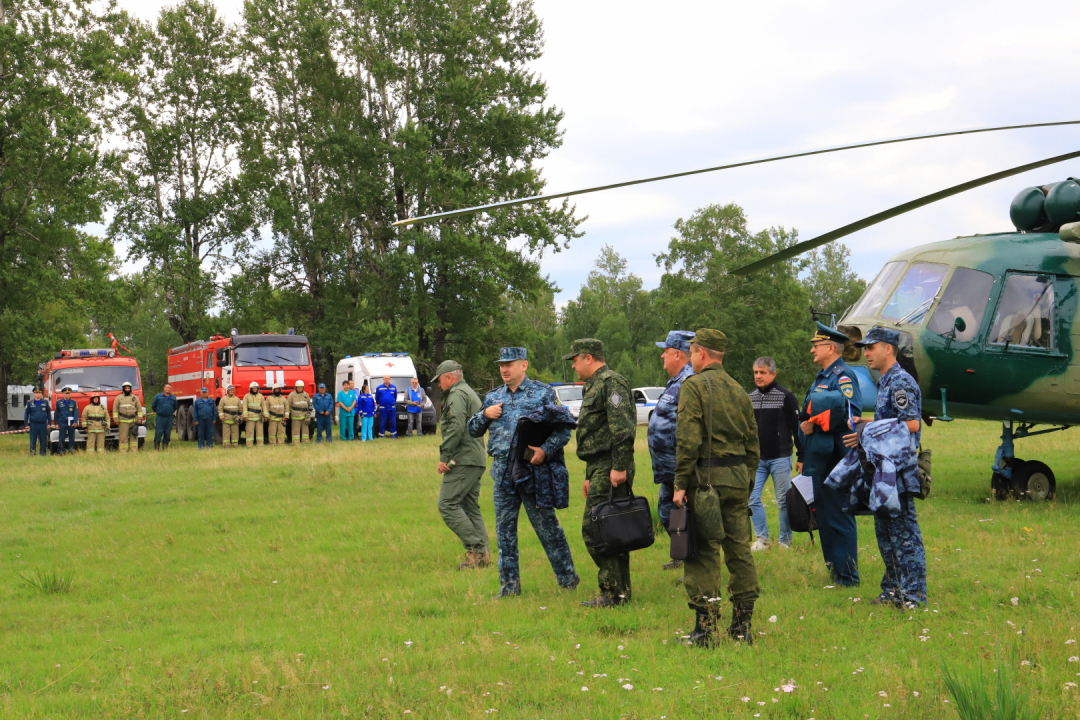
{"x": 319, "y": 581}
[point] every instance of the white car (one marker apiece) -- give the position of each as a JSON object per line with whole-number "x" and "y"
{"x": 569, "y": 395}
{"x": 645, "y": 399}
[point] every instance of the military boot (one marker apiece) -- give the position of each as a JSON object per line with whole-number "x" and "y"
{"x": 705, "y": 630}
{"x": 604, "y": 601}
{"x": 673, "y": 565}
{"x": 741, "y": 615}
{"x": 472, "y": 561}
{"x": 509, "y": 588}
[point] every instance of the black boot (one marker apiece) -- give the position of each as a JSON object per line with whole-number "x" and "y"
{"x": 741, "y": 615}
{"x": 704, "y": 634}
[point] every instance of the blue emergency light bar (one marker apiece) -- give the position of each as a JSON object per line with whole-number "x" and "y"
{"x": 385, "y": 355}
{"x": 88, "y": 353}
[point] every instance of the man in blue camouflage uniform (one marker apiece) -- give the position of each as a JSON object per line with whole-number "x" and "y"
{"x": 499, "y": 416}
{"x": 822, "y": 450}
{"x": 899, "y": 537}
{"x": 676, "y": 360}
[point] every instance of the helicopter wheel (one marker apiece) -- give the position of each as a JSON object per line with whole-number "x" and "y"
{"x": 1035, "y": 480}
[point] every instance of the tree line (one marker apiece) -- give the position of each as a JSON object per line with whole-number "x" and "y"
{"x": 253, "y": 173}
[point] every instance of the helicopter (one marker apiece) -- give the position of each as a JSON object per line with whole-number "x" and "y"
{"x": 989, "y": 325}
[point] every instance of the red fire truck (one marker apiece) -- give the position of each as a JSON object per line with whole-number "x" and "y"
{"x": 237, "y": 360}
{"x": 90, "y": 372}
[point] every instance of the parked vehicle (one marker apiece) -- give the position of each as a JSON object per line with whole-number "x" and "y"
{"x": 569, "y": 395}
{"x": 645, "y": 398}
{"x": 372, "y": 367}
{"x": 18, "y": 397}
{"x": 90, "y": 372}
{"x": 237, "y": 360}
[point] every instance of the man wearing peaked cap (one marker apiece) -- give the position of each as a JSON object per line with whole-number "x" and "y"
{"x": 205, "y": 414}
{"x": 823, "y": 448}
{"x": 323, "y": 407}
{"x": 461, "y": 464}
{"x": 676, "y": 361}
{"x": 606, "y": 429}
{"x": 716, "y": 453}
{"x": 522, "y": 398}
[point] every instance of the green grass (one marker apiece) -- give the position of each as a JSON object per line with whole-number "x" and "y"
{"x": 319, "y": 581}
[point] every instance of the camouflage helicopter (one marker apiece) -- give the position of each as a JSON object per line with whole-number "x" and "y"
{"x": 989, "y": 324}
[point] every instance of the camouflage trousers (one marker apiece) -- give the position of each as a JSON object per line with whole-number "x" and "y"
{"x": 613, "y": 571}
{"x": 721, "y": 524}
{"x": 508, "y": 505}
{"x": 900, "y": 541}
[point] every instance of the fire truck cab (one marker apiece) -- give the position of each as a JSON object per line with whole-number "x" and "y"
{"x": 237, "y": 360}
{"x": 90, "y": 372}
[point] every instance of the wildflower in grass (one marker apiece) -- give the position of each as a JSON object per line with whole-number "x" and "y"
{"x": 408, "y": 643}
{"x": 1025, "y": 662}
{"x": 761, "y": 702}
{"x": 489, "y": 711}
{"x": 325, "y": 687}
{"x": 584, "y": 689}
{"x": 745, "y": 699}
{"x": 915, "y": 693}
{"x": 1069, "y": 685}
{"x": 775, "y": 700}
{"x": 829, "y": 587}
{"x": 1074, "y": 659}
{"x": 1070, "y": 642}
{"x": 772, "y": 618}
{"x": 658, "y": 689}
{"x": 882, "y": 693}
{"x": 789, "y": 688}
{"x": 543, "y": 607}
{"x": 1014, "y": 601}
{"x": 627, "y": 686}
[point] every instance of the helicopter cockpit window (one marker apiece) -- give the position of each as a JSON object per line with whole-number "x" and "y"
{"x": 1025, "y": 317}
{"x": 875, "y": 295}
{"x": 915, "y": 294}
{"x": 964, "y": 299}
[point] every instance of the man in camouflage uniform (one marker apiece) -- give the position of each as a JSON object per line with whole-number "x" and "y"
{"x": 230, "y": 410}
{"x": 96, "y": 421}
{"x": 502, "y": 409}
{"x": 716, "y": 454}
{"x": 129, "y": 414}
{"x": 606, "y": 429}
{"x": 276, "y": 412}
{"x": 899, "y": 537}
{"x": 676, "y": 361}
{"x": 461, "y": 463}
{"x": 254, "y": 408}
{"x": 299, "y": 413}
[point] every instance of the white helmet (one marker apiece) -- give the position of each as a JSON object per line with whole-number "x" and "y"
{"x": 299, "y": 383}
{"x": 278, "y": 386}
{"x": 253, "y": 385}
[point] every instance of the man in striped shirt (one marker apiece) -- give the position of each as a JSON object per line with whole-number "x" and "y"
{"x": 777, "y": 412}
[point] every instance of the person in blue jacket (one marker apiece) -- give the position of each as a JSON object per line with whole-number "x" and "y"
{"x": 65, "y": 418}
{"x": 386, "y": 400}
{"x": 823, "y": 449}
{"x": 165, "y": 404}
{"x": 323, "y": 405}
{"x": 414, "y": 402}
{"x": 205, "y": 413}
{"x": 37, "y": 417}
{"x": 365, "y": 407}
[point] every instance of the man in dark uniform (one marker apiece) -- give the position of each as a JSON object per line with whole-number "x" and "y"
{"x": 606, "y": 429}
{"x": 899, "y": 537}
{"x": 386, "y": 400}
{"x": 65, "y": 418}
{"x": 165, "y": 404}
{"x": 822, "y": 450}
{"x": 37, "y": 417}
{"x": 716, "y": 452}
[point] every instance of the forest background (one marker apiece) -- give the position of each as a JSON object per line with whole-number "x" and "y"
{"x": 254, "y": 172}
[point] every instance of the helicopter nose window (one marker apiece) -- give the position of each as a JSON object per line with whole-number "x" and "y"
{"x": 964, "y": 299}
{"x": 915, "y": 294}
{"x": 879, "y": 290}
{"x": 1025, "y": 317}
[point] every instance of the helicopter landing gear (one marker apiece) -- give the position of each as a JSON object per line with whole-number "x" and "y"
{"x": 1016, "y": 478}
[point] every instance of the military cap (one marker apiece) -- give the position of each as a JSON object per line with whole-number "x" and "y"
{"x": 125, "y": 384}
{"x": 710, "y": 339}
{"x": 299, "y": 383}
{"x": 585, "y": 346}
{"x": 39, "y": 390}
{"x": 444, "y": 367}
{"x": 880, "y": 334}
{"x": 322, "y": 385}
{"x": 827, "y": 334}
{"x": 67, "y": 388}
{"x": 678, "y": 339}
{"x": 253, "y": 384}
{"x": 510, "y": 354}
{"x": 204, "y": 390}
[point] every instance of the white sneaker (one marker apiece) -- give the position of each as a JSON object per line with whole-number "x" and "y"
{"x": 786, "y": 546}
{"x": 758, "y": 545}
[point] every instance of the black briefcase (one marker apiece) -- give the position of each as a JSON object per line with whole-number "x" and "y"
{"x": 622, "y": 524}
{"x": 681, "y": 529}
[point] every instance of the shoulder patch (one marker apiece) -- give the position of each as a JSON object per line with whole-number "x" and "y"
{"x": 844, "y": 379}
{"x": 615, "y": 399}
{"x": 848, "y": 389}
{"x": 900, "y": 399}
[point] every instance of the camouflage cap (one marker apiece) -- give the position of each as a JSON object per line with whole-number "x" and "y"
{"x": 444, "y": 367}
{"x": 510, "y": 354}
{"x": 880, "y": 334}
{"x": 710, "y": 339}
{"x": 585, "y": 346}
{"x": 678, "y": 339}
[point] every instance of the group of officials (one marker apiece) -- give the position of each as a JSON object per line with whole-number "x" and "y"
{"x": 712, "y": 446}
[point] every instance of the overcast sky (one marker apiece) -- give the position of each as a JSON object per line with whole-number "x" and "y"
{"x": 650, "y": 88}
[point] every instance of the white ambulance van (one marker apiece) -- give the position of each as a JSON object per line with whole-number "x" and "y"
{"x": 371, "y": 368}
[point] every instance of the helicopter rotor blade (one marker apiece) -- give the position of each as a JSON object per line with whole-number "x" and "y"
{"x": 866, "y": 222}
{"x": 760, "y": 161}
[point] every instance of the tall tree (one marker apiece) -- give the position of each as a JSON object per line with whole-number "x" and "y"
{"x": 832, "y": 284}
{"x": 56, "y": 64}
{"x": 185, "y": 207}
